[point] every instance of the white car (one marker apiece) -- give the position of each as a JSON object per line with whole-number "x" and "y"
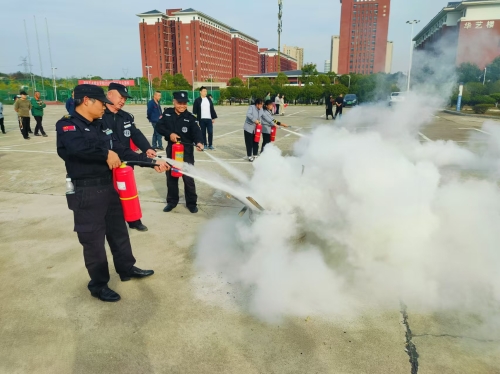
{"x": 396, "y": 97}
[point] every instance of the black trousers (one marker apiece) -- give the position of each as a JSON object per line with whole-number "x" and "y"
{"x": 252, "y": 147}
{"x": 277, "y": 108}
{"x": 2, "y": 126}
{"x": 266, "y": 139}
{"x": 206, "y": 125}
{"x": 173, "y": 190}
{"x": 39, "y": 126}
{"x": 25, "y": 121}
{"x": 338, "y": 112}
{"x": 329, "y": 112}
{"x": 98, "y": 215}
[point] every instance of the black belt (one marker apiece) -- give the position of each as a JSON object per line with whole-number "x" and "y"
{"x": 92, "y": 182}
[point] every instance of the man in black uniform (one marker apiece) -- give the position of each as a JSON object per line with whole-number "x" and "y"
{"x": 177, "y": 124}
{"x": 90, "y": 151}
{"x": 329, "y": 107}
{"x": 123, "y": 126}
{"x": 339, "y": 104}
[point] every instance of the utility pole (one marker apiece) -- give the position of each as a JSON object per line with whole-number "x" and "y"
{"x": 51, "y": 64}
{"x": 412, "y": 23}
{"x": 280, "y": 28}
{"x": 149, "y": 82}
{"x": 40, "y": 58}
{"x": 32, "y": 78}
{"x": 54, "y": 81}
{"x": 484, "y": 76}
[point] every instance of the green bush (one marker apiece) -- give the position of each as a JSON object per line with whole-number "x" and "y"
{"x": 481, "y": 108}
{"x": 496, "y": 97}
{"x": 481, "y": 99}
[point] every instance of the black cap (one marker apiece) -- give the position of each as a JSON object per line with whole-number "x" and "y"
{"x": 23, "y": 93}
{"x": 268, "y": 102}
{"x": 181, "y": 96}
{"x": 122, "y": 90}
{"x": 92, "y": 92}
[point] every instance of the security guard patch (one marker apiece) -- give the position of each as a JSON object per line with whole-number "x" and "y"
{"x": 126, "y": 133}
{"x": 69, "y": 128}
{"x": 184, "y": 129}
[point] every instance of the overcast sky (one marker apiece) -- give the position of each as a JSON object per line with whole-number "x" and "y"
{"x": 102, "y": 37}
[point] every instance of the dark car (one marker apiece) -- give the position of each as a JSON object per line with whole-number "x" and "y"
{"x": 350, "y": 100}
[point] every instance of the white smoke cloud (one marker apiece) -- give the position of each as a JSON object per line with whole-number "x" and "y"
{"x": 361, "y": 217}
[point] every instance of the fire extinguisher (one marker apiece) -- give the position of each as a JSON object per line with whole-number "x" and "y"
{"x": 133, "y": 146}
{"x": 177, "y": 155}
{"x": 273, "y": 133}
{"x": 124, "y": 182}
{"x": 258, "y": 132}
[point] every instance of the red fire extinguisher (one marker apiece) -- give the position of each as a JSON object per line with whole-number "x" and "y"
{"x": 177, "y": 155}
{"x": 273, "y": 133}
{"x": 133, "y": 146}
{"x": 124, "y": 182}
{"x": 258, "y": 132}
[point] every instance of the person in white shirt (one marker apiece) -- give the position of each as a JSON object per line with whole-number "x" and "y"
{"x": 282, "y": 105}
{"x": 277, "y": 102}
{"x": 203, "y": 109}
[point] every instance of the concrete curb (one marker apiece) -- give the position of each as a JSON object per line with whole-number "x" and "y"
{"x": 468, "y": 115}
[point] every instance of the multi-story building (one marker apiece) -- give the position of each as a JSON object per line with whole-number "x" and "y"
{"x": 334, "y": 53}
{"x": 470, "y": 30}
{"x": 196, "y": 45}
{"x": 327, "y": 67}
{"x": 364, "y": 27}
{"x": 269, "y": 61}
{"x": 296, "y": 53}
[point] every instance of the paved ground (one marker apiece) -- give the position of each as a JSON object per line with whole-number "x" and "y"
{"x": 50, "y": 324}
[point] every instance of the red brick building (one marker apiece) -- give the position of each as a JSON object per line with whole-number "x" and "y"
{"x": 269, "y": 61}
{"x": 364, "y": 27}
{"x": 468, "y": 29}
{"x": 196, "y": 45}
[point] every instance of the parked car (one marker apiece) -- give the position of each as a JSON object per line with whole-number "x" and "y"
{"x": 396, "y": 97}
{"x": 350, "y": 100}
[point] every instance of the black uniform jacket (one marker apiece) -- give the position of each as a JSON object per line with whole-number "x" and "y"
{"x": 84, "y": 146}
{"x": 186, "y": 126}
{"x": 123, "y": 126}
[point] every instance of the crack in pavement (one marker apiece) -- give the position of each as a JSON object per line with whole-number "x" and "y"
{"x": 410, "y": 349}
{"x": 458, "y": 337}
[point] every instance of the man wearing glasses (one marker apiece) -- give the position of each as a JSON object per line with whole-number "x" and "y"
{"x": 179, "y": 125}
{"x": 122, "y": 124}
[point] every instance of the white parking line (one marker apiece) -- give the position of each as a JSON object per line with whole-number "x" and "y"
{"x": 424, "y": 137}
{"x": 289, "y": 115}
{"x": 473, "y": 128}
{"x": 232, "y": 132}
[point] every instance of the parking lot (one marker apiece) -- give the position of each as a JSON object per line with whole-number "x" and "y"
{"x": 50, "y": 324}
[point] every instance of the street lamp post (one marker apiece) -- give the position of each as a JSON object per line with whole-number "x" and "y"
{"x": 54, "y": 81}
{"x": 484, "y": 76}
{"x": 211, "y": 84}
{"x": 149, "y": 81}
{"x": 192, "y": 76}
{"x": 412, "y": 23}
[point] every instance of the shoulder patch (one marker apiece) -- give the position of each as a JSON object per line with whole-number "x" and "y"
{"x": 69, "y": 128}
{"x": 67, "y": 116}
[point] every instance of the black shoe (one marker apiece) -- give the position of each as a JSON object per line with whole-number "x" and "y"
{"x": 160, "y": 148}
{"x": 168, "y": 208}
{"x": 106, "y": 294}
{"x": 45, "y": 135}
{"x": 136, "y": 273}
{"x": 138, "y": 227}
{"x": 193, "y": 209}
{"x": 38, "y": 135}
{"x": 30, "y": 132}
{"x": 27, "y": 138}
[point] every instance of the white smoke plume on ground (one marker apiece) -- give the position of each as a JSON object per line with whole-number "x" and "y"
{"x": 363, "y": 216}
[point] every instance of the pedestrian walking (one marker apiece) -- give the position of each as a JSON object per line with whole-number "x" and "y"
{"x": 2, "y": 126}
{"x": 123, "y": 126}
{"x": 282, "y": 105}
{"x": 204, "y": 111}
{"x": 154, "y": 114}
{"x": 91, "y": 151}
{"x": 268, "y": 96}
{"x": 277, "y": 102}
{"x": 253, "y": 117}
{"x": 179, "y": 125}
{"x": 23, "y": 107}
{"x": 70, "y": 104}
{"x": 268, "y": 122}
{"x": 339, "y": 103}
{"x": 37, "y": 106}
{"x": 329, "y": 107}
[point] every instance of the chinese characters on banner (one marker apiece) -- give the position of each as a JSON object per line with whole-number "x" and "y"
{"x": 104, "y": 83}
{"x": 479, "y": 25}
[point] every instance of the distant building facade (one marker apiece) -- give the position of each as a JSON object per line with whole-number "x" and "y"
{"x": 295, "y": 52}
{"x": 364, "y": 27}
{"x": 269, "y": 61}
{"x": 470, "y": 29}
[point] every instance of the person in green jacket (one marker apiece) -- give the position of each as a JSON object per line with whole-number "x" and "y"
{"x": 37, "y": 106}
